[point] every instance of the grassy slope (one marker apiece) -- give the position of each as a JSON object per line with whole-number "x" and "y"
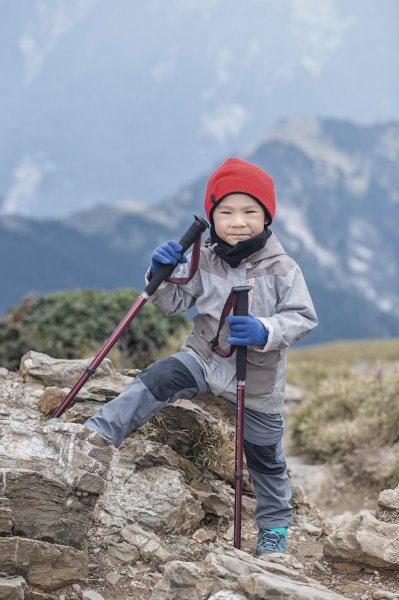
{"x": 351, "y": 411}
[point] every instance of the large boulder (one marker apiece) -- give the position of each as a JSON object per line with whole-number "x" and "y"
{"x": 49, "y": 371}
{"x": 366, "y": 540}
{"x": 157, "y": 498}
{"x": 50, "y": 479}
{"x": 13, "y": 588}
{"x": 230, "y": 573}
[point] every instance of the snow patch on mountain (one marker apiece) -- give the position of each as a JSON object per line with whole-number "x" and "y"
{"x": 307, "y": 135}
{"x": 295, "y": 225}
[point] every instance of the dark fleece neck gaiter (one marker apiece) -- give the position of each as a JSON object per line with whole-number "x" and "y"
{"x": 233, "y": 255}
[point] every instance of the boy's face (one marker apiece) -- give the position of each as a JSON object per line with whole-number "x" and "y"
{"x": 238, "y": 217}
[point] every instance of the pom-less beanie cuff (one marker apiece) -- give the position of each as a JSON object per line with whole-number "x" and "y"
{"x": 237, "y": 176}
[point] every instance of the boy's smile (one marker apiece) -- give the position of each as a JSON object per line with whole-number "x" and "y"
{"x": 238, "y": 217}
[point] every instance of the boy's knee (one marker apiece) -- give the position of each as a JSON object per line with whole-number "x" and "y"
{"x": 167, "y": 377}
{"x": 264, "y": 459}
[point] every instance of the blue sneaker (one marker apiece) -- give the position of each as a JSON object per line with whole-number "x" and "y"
{"x": 271, "y": 540}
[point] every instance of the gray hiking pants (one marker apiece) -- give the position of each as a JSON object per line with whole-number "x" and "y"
{"x": 180, "y": 376}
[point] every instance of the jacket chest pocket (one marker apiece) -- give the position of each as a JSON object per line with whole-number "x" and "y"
{"x": 261, "y": 372}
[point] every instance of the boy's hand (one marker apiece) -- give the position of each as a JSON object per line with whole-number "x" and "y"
{"x": 246, "y": 331}
{"x": 167, "y": 254}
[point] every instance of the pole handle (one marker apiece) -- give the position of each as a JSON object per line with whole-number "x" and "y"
{"x": 187, "y": 240}
{"x": 241, "y": 310}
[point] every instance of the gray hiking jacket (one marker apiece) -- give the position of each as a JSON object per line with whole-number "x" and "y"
{"x": 279, "y": 298}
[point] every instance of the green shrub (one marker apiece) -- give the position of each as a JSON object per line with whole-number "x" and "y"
{"x": 75, "y": 324}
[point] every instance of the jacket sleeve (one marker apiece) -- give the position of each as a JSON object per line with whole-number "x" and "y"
{"x": 295, "y": 314}
{"x": 172, "y": 298}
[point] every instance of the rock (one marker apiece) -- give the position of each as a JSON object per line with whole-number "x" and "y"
{"x": 265, "y": 585}
{"x": 156, "y": 498}
{"x": 53, "y": 499}
{"x": 44, "y": 508}
{"x": 80, "y": 412}
{"x": 48, "y": 566}
{"x": 204, "y": 535}
{"x": 226, "y": 595}
{"x": 383, "y": 595}
{"x": 85, "y": 403}
{"x": 229, "y": 571}
{"x": 311, "y": 529}
{"x": 91, "y": 595}
{"x": 147, "y": 493}
{"x": 39, "y": 367}
{"x": 298, "y": 495}
{"x": 217, "y": 504}
{"x": 287, "y": 560}
{"x": 183, "y": 580}
{"x": 148, "y": 544}
{"x": 50, "y": 479}
{"x": 232, "y": 563}
{"x": 5, "y": 516}
{"x": 142, "y": 453}
{"x": 366, "y": 540}
{"x": 112, "y": 578}
{"x": 123, "y": 552}
{"x": 389, "y": 499}
{"x": 75, "y": 455}
{"x": 51, "y": 398}
{"x": 13, "y": 588}
{"x": 18, "y": 400}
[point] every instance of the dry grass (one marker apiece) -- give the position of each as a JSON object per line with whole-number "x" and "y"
{"x": 207, "y": 445}
{"x": 353, "y": 415}
{"x": 307, "y": 367}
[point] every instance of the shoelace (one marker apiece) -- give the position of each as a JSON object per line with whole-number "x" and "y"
{"x": 270, "y": 539}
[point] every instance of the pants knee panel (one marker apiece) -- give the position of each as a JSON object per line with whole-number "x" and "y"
{"x": 167, "y": 377}
{"x": 263, "y": 459}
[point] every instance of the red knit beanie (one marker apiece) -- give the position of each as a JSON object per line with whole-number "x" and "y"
{"x": 236, "y": 176}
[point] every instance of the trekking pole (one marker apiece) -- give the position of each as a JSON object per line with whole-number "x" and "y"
{"x": 192, "y": 235}
{"x": 241, "y": 369}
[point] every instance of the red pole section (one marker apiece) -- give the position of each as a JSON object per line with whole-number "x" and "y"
{"x": 241, "y": 309}
{"x": 142, "y": 299}
{"x": 239, "y": 463}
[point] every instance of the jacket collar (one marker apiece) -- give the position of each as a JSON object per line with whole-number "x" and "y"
{"x": 272, "y": 248}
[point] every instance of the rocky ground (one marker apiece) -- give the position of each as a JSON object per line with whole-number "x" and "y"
{"x": 80, "y": 520}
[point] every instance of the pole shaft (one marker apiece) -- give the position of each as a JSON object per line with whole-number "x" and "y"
{"x": 141, "y": 300}
{"x": 239, "y": 463}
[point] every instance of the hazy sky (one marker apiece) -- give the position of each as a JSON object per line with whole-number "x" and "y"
{"x": 89, "y": 87}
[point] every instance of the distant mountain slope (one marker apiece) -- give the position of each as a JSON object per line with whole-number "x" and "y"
{"x": 337, "y": 212}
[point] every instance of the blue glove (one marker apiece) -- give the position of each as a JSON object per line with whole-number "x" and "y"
{"x": 246, "y": 331}
{"x": 167, "y": 254}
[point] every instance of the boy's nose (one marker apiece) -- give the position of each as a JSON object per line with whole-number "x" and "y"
{"x": 238, "y": 219}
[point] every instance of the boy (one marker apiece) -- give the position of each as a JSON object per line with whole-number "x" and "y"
{"x": 240, "y": 204}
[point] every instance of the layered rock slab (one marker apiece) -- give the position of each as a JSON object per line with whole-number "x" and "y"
{"x": 50, "y": 479}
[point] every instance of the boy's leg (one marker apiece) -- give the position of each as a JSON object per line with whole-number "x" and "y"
{"x": 266, "y": 464}
{"x": 162, "y": 383}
